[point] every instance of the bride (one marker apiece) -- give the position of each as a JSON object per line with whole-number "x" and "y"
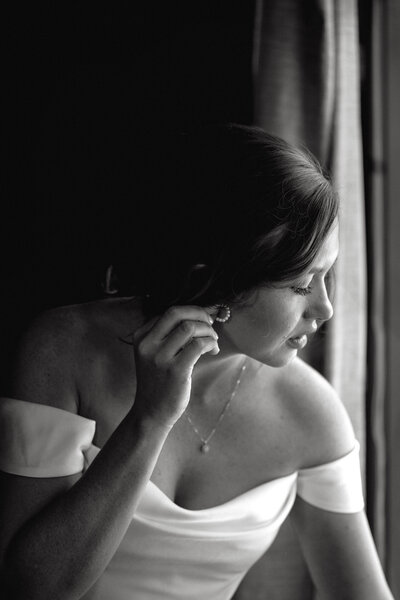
{"x": 153, "y": 443}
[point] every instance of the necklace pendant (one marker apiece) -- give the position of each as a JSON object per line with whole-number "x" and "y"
{"x": 204, "y": 447}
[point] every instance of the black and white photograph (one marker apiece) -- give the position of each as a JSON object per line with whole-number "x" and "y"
{"x": 200, "y": 301}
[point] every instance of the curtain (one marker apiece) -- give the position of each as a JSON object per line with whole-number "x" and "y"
{"x": 306, "y": 90}
{"x": 385, "y": 218}
{"x": 374, "y": 99}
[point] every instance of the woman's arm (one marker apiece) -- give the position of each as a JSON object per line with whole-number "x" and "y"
{"x": 61, "y": 533}
{"x": 340, "y": 553}
{"x": 338, "y": 546}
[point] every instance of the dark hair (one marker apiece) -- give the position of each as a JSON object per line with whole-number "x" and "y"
{"x": 227, "y": 208}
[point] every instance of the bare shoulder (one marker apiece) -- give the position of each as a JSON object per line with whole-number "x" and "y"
{"x": 54, "y": 346}
{"x": 45, "y": 360}
{"x": 319, "y": 416}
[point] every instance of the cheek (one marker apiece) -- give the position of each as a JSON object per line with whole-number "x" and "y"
{"x": 271, "y": 321}
{"x": 284, "y": 314}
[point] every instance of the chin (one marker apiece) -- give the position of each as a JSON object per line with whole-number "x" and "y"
{"x": 281, "y": 363}
{"x": 277, "y": 359}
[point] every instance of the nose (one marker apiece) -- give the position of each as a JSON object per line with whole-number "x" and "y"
{"x": 320, "y": 307}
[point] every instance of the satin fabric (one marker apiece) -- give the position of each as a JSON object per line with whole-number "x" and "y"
{"x": 170, "y": 552}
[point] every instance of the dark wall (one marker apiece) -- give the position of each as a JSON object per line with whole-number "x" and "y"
{"x": 83, "y": 89}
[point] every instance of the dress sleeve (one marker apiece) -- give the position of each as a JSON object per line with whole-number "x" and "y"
{"x": 42, "y": 441}
{"x": 334, "y": 486}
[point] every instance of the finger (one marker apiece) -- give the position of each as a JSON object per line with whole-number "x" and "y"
{"x": 190, "y": 354}
{"x": 212, "y": 311}
{"x": 144, "y": 329}
{"x": 173, "y": 316}
{"x": 182, "y": 335}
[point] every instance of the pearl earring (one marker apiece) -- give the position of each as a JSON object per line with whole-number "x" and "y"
{"x": 224, "y": 313}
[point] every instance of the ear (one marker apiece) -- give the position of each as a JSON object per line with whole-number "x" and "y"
{"x": 196, "y": 282}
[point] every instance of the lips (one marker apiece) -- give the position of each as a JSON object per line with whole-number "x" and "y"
{"x": 298, "y": 342}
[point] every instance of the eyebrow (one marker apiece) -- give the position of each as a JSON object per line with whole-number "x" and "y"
{"x": 321, "y": 269}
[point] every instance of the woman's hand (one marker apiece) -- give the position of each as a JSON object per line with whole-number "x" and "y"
{"x": 166, "y": 350}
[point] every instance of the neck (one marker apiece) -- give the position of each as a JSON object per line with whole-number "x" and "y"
{"x": 213, "y": 378}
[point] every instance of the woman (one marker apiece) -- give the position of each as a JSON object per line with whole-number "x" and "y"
{"x": 166, "y": 471}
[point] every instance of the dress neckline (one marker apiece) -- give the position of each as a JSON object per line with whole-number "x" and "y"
{"x": 254, "y": 491}
{"x": 237, "y": 499}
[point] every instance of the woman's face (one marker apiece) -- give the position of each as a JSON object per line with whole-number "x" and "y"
{"x": 276, "y": 321}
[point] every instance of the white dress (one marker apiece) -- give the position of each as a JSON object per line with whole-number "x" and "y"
{"x": 168, "y": 552}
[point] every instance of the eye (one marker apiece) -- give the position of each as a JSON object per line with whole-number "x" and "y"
{"x": 303, "y": 291}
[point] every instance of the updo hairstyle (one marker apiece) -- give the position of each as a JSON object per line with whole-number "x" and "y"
{"x": 224, "y": 209}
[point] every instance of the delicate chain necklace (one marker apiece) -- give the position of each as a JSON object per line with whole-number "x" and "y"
{"x": 205, "y": 442}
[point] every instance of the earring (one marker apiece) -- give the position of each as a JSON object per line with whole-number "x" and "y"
{"x": 224, "y": 313}
{"x": 109, "y": 282}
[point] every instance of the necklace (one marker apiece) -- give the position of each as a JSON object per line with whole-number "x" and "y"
{"x": 205, "y": 441}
